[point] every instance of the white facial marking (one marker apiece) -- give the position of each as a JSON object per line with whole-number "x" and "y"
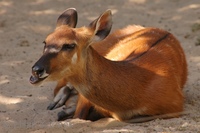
{"x": 45, "y": 50}
{"x": 53, "y": 50}
{"x": 74, "y": 58}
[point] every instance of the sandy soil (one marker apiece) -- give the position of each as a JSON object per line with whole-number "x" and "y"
{"x": 24, "y": 25}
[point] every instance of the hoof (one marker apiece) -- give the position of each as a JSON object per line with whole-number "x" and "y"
{"x": 63, "y": 116}
{"x": 51, "y": 106}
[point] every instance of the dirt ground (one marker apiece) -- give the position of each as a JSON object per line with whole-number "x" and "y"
{"x": 24, "y": 25}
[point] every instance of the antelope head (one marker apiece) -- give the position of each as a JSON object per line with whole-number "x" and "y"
{"x": 66, "y": 47}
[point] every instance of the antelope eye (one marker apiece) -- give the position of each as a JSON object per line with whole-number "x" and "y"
{"x": 68, "y": 46}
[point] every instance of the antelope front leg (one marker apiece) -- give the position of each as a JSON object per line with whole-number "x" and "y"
{"x": 70, "y": 106}
{"x": 61, "y": 94}
{"x": 82, "y": 108}
{"x": 60, "y": 99}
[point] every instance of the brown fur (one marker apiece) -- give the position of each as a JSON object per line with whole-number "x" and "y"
{"x": 146, "y": 77}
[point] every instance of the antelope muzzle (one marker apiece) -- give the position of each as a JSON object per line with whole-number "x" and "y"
{"x": 40, "y": 70}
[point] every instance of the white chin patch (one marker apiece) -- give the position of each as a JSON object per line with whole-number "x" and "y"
{"x": 44, "y": 75}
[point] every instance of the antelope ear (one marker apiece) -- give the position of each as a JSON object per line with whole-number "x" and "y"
{"x": 68, "y": 17}
{"x": 102, "y": 25}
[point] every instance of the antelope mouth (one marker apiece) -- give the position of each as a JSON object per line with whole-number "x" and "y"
{"x": 36, "y": 78}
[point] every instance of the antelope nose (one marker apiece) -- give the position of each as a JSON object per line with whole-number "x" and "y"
{"x": 38, "y": 74}
{"x": 37, "y": 70}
